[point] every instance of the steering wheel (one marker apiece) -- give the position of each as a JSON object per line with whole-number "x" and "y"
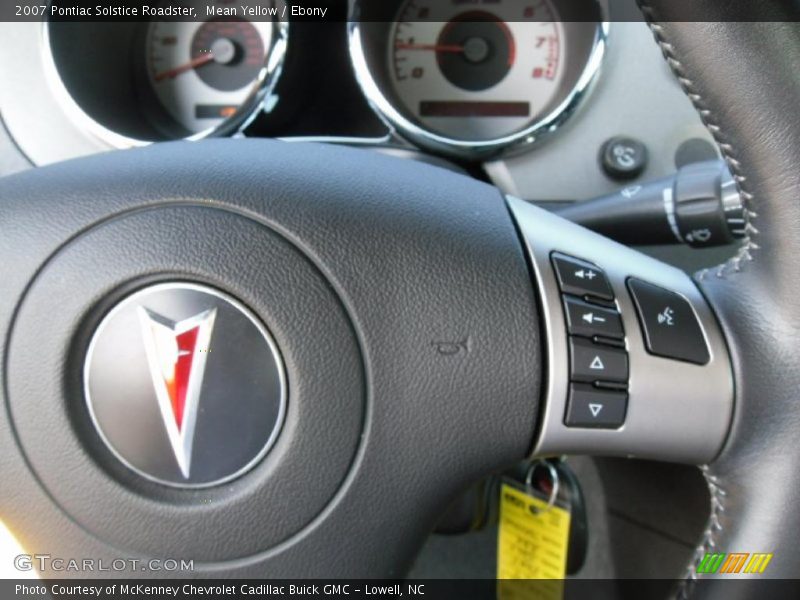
{"x": 355, "y": 339}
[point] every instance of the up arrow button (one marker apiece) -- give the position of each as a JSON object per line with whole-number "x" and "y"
{"x": 590, "y": 362}
{"x": 597, "y": 364}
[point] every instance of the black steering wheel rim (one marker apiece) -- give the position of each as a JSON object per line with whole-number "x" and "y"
{"x": 734, "y": 65}
{"x": 438, "y": 419}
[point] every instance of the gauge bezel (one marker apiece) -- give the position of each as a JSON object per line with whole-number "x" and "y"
{"x": 412, "y": 131}
{"x": 262, "y": 87}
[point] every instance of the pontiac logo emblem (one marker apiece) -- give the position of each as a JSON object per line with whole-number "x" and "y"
{"x": 169, "y": 408}
{"x": 176, "y": 353}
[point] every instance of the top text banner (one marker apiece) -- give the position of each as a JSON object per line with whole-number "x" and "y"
{"x": 172, "y": 10}
{"x": 338, "y": 11}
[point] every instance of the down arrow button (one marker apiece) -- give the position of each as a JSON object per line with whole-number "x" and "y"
{"x": 594, "y": 408}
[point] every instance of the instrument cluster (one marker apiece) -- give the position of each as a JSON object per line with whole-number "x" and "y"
{"x": 469, "y": 80}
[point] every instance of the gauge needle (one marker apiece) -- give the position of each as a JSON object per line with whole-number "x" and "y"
{"x": 192, "y": 64}
{"x": 433, "y": 47}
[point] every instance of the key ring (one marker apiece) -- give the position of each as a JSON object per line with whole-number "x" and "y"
{"x": 553, "y": 476}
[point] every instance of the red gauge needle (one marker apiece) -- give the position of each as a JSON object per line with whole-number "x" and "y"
{"x": 433, "y": 47}
{"x": 192, "y": 64}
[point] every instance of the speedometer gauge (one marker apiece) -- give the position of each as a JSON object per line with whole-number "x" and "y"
{"x": 474, "y": 78}
{"x": 131, "y": 83}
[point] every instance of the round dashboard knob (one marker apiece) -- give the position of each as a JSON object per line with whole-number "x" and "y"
{"x": 623, "y": 157}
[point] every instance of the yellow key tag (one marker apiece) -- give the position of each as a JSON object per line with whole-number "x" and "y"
{"x": 532, "y": 544}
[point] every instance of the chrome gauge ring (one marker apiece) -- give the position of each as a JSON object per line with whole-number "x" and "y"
{"x": 475, "y": 80}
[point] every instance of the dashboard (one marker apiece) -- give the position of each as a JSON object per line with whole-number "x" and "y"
{"x": 512, "y": 92}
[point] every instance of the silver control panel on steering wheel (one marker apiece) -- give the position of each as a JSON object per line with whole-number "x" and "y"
{"x": 636, "y": 363}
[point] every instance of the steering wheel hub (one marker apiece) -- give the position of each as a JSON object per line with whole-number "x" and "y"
{"x": 105, "y": 433}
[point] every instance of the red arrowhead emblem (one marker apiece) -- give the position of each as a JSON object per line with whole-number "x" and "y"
{"x": 176, "y": 354}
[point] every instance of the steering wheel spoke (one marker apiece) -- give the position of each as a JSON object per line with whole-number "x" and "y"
{"x": 637, "y": 365}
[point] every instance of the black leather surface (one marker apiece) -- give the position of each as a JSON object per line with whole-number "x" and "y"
{"x": 743, "y": 78}
{"x": 418, "y": 257}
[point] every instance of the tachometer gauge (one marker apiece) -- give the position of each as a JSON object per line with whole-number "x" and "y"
{"x": 474, "y": 78}
{"x": 203, "y": 74}
{"x": 464, "y": 78}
